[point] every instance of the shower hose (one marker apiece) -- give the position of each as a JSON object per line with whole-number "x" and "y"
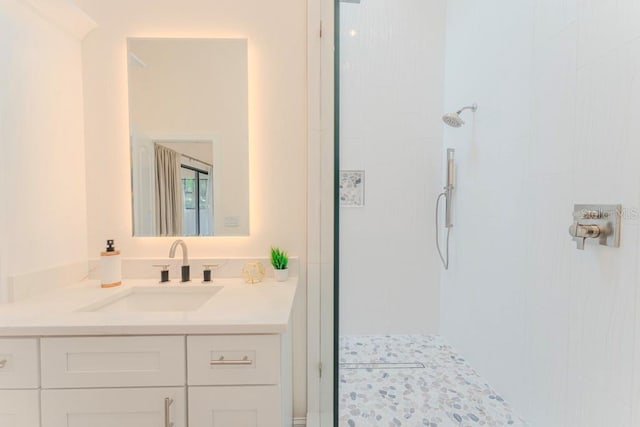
{"x": 444, "y": 258}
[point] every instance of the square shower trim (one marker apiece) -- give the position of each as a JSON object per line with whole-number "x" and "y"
{"x": 352, "y": 188}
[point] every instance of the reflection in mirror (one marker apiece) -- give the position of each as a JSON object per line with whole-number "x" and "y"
{"x": 189, "y": 137}
{"x": 184, "y": 188}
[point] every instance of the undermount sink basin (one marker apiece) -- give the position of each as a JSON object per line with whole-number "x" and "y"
{"x": 145, "y": 299}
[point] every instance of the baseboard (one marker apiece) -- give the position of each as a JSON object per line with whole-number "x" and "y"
{"x": 299, "y": 422}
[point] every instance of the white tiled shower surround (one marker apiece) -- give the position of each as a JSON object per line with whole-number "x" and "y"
{"x": 555, "y": 329}
{"x": 391, "y": 74}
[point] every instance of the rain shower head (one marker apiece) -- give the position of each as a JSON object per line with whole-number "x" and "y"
{"x": 454, "y": 120}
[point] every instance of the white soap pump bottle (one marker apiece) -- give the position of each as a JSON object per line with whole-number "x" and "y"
{"x": 110, "y": 267}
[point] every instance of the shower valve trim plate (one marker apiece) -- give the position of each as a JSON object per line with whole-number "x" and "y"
{"x": 600, "y": 222}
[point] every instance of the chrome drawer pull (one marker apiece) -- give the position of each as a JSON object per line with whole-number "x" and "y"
{"x": 222, "y": 361}
{"x": 3, "y": 363}
{"x": 167, "y": 412}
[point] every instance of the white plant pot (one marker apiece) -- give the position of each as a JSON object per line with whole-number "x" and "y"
{"x": 281, "y": 275}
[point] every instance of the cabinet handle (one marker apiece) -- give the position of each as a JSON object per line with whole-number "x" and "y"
{"x": 167, "y": 412}
{"x": 222, "y": 361}
{"x": 3, "y": 363}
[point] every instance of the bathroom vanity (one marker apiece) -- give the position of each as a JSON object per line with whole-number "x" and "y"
{"x": 67, "y": 361}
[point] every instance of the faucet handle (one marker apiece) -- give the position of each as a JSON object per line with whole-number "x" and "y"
{"x": 207, "y": 272}
{"x": 573, "y": 231}
{"x": 164, "y": 273}
{"x": 582, "y": 232}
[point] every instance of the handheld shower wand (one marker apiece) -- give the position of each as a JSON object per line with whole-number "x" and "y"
{"x": 447, "y": 194}
{"x": 449, "y": 187}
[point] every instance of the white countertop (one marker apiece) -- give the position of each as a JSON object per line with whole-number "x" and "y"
{"x": 238, "y": 308}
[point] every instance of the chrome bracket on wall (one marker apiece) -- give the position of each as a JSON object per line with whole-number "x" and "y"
{"x": 600, "y": 222}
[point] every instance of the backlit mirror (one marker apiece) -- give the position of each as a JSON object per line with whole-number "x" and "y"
{"x": 188, "y": 124}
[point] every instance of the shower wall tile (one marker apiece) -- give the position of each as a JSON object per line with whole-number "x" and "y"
{"x": 634, "y": 135}
{"x": 605, "y": 25}
{"x": 601, "y": 330}
{"x": 589, "y": 405}
{"x": 549, "y": 250}
{"x": 635, "y": 396}
{"x": 553, "y": 145}
{"x": 546, "y": 371}
{"x": 553, "y": 17}
{"x": 396, "y": 202}
{"x": 558, "y": 124}
{"x": 603, "y": 124}
{"x": 483, "y": 293}
{"x": 392, "y": 68}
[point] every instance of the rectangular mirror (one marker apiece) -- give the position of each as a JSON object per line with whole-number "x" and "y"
{"x": 188, "y": 128}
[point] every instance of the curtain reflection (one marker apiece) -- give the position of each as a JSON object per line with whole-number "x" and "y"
{"x": 168, "y": 192}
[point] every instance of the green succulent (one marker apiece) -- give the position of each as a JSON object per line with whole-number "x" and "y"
{"x": 279, "y": 259}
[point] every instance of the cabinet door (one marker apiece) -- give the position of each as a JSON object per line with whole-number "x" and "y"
{"x": 243, "y": 406}
{"x": 124, "y": 407}
{"x": 19, "y": 408}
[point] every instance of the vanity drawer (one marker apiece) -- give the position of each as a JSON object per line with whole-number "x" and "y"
{"x": 233, "y": 360}
{"x": 19, "y": 363}
{"x": 113, "y": 361}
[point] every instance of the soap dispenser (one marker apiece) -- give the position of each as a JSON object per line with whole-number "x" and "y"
{"x": 110, "y": 267}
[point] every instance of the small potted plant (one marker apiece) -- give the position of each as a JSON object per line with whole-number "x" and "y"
{"x": 280, "y": 263}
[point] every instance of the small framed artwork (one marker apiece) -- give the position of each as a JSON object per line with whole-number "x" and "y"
{"x": 351, "y": 189}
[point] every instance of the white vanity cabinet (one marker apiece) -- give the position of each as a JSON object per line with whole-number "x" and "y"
{"x": 237, "y": 406}
{"x": 140, "y": 381}
{"x": 239, "y": 381}
{"x": 19, "y": 382}
{"x": 121, "y": 407}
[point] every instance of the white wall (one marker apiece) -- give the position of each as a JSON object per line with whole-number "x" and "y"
{"x": 44, "y": 218}
{"x": 558, "y": 88}
{"x": 391, "y": 74}
{"x": 276, "y": 33}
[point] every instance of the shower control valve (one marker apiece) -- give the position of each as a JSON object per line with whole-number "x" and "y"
{"x": 600, "y": 222}
{"x": 582, "y": 232}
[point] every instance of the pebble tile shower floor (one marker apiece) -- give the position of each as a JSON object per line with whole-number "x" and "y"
{"x": 414, "y": 380}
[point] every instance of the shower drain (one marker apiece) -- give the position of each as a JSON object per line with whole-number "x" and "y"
{"x": 381, "y": 366}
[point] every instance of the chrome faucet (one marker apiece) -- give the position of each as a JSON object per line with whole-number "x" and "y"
{"x": 185, "y": 258}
